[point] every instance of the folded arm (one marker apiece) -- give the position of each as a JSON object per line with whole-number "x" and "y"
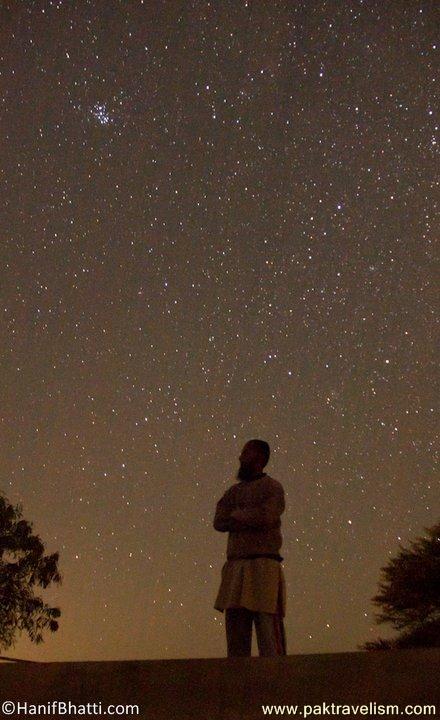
{"x": 230, "y": 518}
{"x": 223, "y": 522}
{"x": 265, "y": 515}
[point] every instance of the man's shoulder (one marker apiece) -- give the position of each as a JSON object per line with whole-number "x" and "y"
{"x": 267, "y": 481}
{"x": 273, "y": 483}
{"x": 231, "y": 489}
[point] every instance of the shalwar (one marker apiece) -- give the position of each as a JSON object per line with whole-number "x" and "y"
{"x": 253, "y": 591}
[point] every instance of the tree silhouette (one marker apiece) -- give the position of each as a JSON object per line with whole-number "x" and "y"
{"x": 410, "y": 595}
{"x": 23, "y": 566}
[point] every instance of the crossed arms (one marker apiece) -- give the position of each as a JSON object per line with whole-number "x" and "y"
{"x": 231, "y": 518}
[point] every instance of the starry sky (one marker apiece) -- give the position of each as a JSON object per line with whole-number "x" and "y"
{"x": 218, "y": 223}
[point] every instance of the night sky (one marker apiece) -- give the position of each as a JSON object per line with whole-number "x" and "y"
{"x": 218, "y": 224}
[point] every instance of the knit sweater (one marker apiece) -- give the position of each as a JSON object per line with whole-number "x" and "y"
{"x": 251, "y": 512}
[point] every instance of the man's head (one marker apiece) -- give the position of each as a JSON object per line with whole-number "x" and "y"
{"x": 254, "y": 456}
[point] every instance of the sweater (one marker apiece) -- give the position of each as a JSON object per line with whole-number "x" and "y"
{"x": 251, "y": 512}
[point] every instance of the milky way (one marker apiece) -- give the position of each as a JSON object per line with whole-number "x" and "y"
{"x": 218, "y": 224}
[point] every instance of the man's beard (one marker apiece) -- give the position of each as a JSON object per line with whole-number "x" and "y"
{"x": 246, "y": 473}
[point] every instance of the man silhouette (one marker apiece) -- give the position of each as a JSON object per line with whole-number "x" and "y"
{"x": 253, "y": 588}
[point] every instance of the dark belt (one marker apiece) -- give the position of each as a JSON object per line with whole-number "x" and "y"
{"x": 274, "y": 556}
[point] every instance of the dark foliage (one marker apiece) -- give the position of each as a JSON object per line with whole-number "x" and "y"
{"x": 23, "y": 567}
{"x": 409, "y": 595}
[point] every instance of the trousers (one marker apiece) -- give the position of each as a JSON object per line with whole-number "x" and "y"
{"x": 269, "y": 627}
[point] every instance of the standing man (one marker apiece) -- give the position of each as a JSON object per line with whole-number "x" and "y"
{"x": 253, "y": 588}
